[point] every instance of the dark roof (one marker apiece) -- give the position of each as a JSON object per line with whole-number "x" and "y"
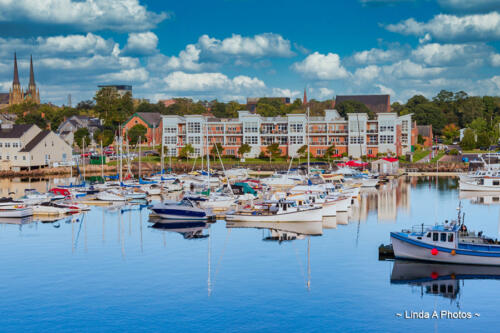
{"x": 16, "y": 131}
{"x": 425, "y": 130}
{"x": 151, "y": 118}
{"x": 4, "y": 98}
{"x": 375, "y": 103}
{"x": 35, "y": 141}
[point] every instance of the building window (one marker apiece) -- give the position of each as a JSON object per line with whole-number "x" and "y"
{"x": 283, "y": 140}
{"x": 230, "y": 152}
{"x": 267, "y": 128}
{"x": 170, "y": 129}
{"x": 404, "y": 126}
{"x": 194, "y": 140}
{"x": 404, "y": 138}
{"x": 296, "y": 128}
{"x": 296, "y": 140}
{"x": 282, "y": 128}
{"x": 251, "y": 140}
{"x": 171, "y": 140}
{"x": 267, "y": 140}
{"x": 320, "y": 152}
{"x": 356, "y": 140}
{"x": 197, "y": 151}
{"x": 386, "y": 139}
{"x": 7, "y": 145}
{"x": 0, "y": 145}
{"x": 194, "y": 127}
{"x": 251, "y": 128}
{"x": 15, "y": 157}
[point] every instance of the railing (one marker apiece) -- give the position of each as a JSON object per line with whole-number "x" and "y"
{"x": 339, "y": 131}
{"x": 372, "y": 131}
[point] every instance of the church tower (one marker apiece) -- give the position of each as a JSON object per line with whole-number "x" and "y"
{"x": 16, "y": 95}
{"x": 32, "y": 94}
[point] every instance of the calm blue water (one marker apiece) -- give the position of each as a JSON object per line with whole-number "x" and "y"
{"x": 110, "y": 271}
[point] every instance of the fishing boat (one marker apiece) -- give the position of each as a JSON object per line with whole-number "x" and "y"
{"x": 182, "y": 210}
{"x": 449, "y": 242}
{"x": 486, "y": 183}
{"x": 277, "y": 211}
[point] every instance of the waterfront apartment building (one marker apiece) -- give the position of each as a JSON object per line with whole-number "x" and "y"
{"x": 356, "y": 135}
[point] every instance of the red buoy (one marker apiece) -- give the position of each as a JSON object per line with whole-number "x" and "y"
{"x": 434, "y": 251}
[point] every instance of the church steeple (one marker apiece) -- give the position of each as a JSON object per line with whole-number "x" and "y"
{"x": 304, "y": 101}
{"x": 16, "y": 74}
{"x": 32, "y": 73}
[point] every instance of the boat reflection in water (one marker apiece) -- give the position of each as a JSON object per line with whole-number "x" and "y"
{"x": 386, "y": 201}
{"x": 282, "y": 231}
{"x": 440, "y": 279}
{"x": 16, "y": 220}
{"x": 188, "y": 229}
{"x": 481, "y": 198}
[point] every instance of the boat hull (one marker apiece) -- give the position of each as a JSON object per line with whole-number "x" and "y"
{"x": 16, "y": 213}
{"x": 471, "y": 186}
{"x": 408, "y": 249}
{"x": 310, "y": 215}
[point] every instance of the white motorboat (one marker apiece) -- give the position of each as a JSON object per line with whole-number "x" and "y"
{"x": 152, "y": 189}
{"x": 46, "y": 210}
{"x": 111, "y": 195}
{"x": 15, "y": 211}
{"x": 487, "y": 184}
{"x": 182, "y": 210}
{"x": 277, "y": 211}
{"x": 283, "y": 180}
{"x": 216, "y": 201}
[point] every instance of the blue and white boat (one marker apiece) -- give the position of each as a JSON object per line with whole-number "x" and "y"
{"x": 182, "y": 210}
{"x": 450, "y": 242}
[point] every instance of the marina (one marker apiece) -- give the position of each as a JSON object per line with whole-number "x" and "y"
{"x": 119, "y": 256}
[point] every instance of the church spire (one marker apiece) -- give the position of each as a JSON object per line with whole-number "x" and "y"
{"x": 32, "y": 73}
{"x": 16, "y": 74}
{"x": 304, "y": 101}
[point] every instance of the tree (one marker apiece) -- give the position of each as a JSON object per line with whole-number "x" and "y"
{"x": 329, "y": 152}
{"x": 354, "y": 107}
{"x": 85, "y": 105}
{"x": 302, "y": 151}
{"x": 81, "y": 135}
{"x": 273, "y": 151}
{"x": 469, "y": 140}
{"x": 136, "y": 132}
{"x": 107, "y": 102}
{"x": 429, "y": 114}
{"x": 483, "y": 140}
{"x": 217, "y": 149}
{"x": 244, "y": 149}
{"x": 186, "y": 151}
{"x": 451, "y": 131}
{"x": 105, "y": 136}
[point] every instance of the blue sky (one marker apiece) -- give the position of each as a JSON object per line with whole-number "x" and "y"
{"x": 233, "y": 49}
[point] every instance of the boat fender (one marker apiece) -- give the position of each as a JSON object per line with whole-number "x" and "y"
{"x": 434, "y": 275}
{"x": 453, "y": 252}
{"x": 434, "y": 251}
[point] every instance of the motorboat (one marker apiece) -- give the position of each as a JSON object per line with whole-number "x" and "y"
{"x": 277, "y": 211}
{"x": 47, "y": 209}
{"x": 217, "y": 201}
{"x": 153, "y": 189}
{"x": 182, "y": 210}
{"x": 486, "y": 183}
{"x": 15, "y": 211}
{"x": 111, "y": 195}
{"x": 449, "y": 242}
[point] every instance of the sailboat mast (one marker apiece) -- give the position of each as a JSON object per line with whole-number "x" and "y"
{"x": 102, "y": 162}
{"x": 208, "y": 157}
{"x": 140, "y": 174}
{"x": 83, "y": 155}
{"x": 308, "y": 147}
{"x": 162, "y": 163}
{"x": 120, "y": 146}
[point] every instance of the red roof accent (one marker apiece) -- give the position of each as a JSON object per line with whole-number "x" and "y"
{"x": 390, "y": 159}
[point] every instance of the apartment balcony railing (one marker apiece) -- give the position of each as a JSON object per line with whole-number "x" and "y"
{"x": 234, "y": 132}
{"x": 273, "y": 132}
{"x": 215, "y": 132}
{"x": 372, "y": 131}
{"x": 338, "y": 131}
{"x": 372, "y": 143}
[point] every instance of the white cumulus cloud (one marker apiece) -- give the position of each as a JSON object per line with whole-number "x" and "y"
{"x": 84, "y": 15}
{"x": 209, "y": 82}
{"x": 141, "y": 43}
{"x": 453, "y": 28}
{"x": 321, "y": 66}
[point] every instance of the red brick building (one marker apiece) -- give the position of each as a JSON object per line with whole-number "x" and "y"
{"x": 150, "y": 120}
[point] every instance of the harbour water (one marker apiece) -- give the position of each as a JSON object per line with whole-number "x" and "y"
{"x": 111, "y": 269}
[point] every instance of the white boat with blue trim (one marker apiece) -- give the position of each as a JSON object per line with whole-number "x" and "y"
{"x": 182, "y": 210}
{"x": 446, "y": 243}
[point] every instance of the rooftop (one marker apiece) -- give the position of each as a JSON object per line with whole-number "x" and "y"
{"x": 16, "y": 131}
{"x": 35, "y": 141}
